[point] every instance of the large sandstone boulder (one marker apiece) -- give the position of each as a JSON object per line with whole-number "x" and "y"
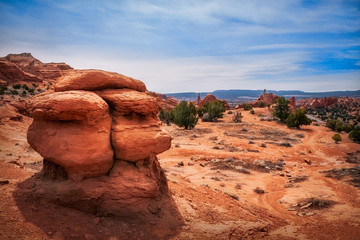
{"x": 72, "y": 129}
{"x": 136, "y": 133}
{"x": 97, "y": 80}
{"x": 101, "y": 147}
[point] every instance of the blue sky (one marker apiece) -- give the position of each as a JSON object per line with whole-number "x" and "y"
{"x": 177, "y": 46}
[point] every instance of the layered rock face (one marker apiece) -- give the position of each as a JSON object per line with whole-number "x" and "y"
{"x": 16, "y": 68}
{"x": 102, "y": 130}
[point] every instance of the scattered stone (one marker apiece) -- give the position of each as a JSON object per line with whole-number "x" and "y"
{"x": 251, "y": 142}
{"x": 190, "y": 164}
{"x": 285, "y": 144}
{"x": 222, "y": 185}
{"x": 252, "y": 150}
{"x": 288, "y": 185}
{"x": 202, "y": 165}
{"x": 288, "y": 175}
{"x": 301, "y": 214}
{"x": 180, "y": 164}
{"x": 244, "y": 130}
{"x": 281, "y": 174}
{"x": 287, "y": 171}
{"x": 4, "y": 182}
{"x": 238, "y": 186}
{"x": 259, "y": 190}
{"x": 291, "y": 209}
{"x": 263, "y": 145}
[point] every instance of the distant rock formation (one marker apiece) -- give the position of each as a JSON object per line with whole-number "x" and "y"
{"x": 165, "y": 102}
{"x": 15, "y": 68}
{"x": 210, "y": 98}
{"x": 268, "y": 99}
{"x": 99, "y": 135}
{"x": 318, "y": 102}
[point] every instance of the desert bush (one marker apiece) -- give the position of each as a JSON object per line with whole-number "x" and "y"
{"x": 230, "y": 112}
{"x": 259, "y": 190}
{"x": 355, "y": 135}
{"x": 281, "y": 110}
{"x": 14, "y": 92}
{"x": 16, "y": 86}
{"x": 237, "y": 117}
{"x": 185, "y": 115}
{"x": 165, "y": 116}
{"x": 213, "y": 111}
{"x": 262, "y": 104}
{"x": 247, "y": 107}
{"x": 24, "y": 86}
{"x": 298, "y": 118}
{"x": 24, "y": 92}
{"x": 232, "y": 196}
{"x": 31, "y": 90}
{"x": 347, "y": 127}
{"x": 337, "y": 138}
{"x": 252, "y": 111}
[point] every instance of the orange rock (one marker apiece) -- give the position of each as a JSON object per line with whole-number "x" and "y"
{"x": 127, "y": 101}
{"x": 139, "y": 142}
{"x": 72, "y": 129}
{"x": 96, "y": 80}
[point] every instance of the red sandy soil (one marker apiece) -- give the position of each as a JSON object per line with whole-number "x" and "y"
{"x": 202, "y": 193}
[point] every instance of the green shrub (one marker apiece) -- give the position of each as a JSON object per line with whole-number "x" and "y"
{"x": 213, "y": 111}
{"x": 337, "y": 138}
{"x": 298, "y": 118}
{"x": 14, "y": 92}
{"x": 165, "y": 116}
{"x": 347, "y": 127}
{"x": 247, "y": 107}
{"x": 331, "y": 123}
{"x": 24, "y": 86}
{"x": 185, "y": 115}
{"x": 16, "y": 86}
{"x": 24, "y": 92}
{"x": 355, "y": 135}
{"x": 262, "y": 104}
{"x": 31, "y": 90}
{"x": 252, "y": 111}
{"x": 282, "y": 110}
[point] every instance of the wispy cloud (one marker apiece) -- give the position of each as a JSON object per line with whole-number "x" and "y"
{"x": 200, "y": 45}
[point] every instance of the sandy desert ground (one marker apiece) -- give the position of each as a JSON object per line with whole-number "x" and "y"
{"x": 250, "y": 180}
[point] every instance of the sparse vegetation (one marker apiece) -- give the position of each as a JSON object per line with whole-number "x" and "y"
{"x": 185, "y": 115}
{"x": 247, "y": 107}
{"x": 16, "y": 86}
{"x": 315, "y": 203}
{"x": 298, "y": 118}
{"x": 14, "y": 92}
{"x": 252, "y": 111}
{"x": 237, "y": 117}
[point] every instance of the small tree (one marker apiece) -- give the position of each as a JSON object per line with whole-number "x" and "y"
{"x": 337, "y": 138}
{"x": 213, "y": 111}
{"x": 298, "y": 118}
{"x": 282, "y": 110}
{"x": 185, "y": 115}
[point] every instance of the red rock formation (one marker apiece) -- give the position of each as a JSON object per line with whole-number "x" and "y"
{"x": 292, "y": 103}
{"x": 10, "y": 73}
{"x": 72, "y": 129}
{"x": 165, "y": 102}
{"x": 210, "y": 98}
{"x": 106, "y": 143}
{"x": 15, "y": 68}
{"x": 97, "y": 80}
{"x": 31, "y": 65}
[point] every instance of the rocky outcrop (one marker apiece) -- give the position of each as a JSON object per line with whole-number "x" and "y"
{"x": 318, "y": 102}
{"x": 10, "y": 73}
{"x": 99, "y": 135}
{"x": 210, "y": 98}
{"x": 72, "y": 129}
{"x": 15, "y": 68}
{"x": 97, "y": 80}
